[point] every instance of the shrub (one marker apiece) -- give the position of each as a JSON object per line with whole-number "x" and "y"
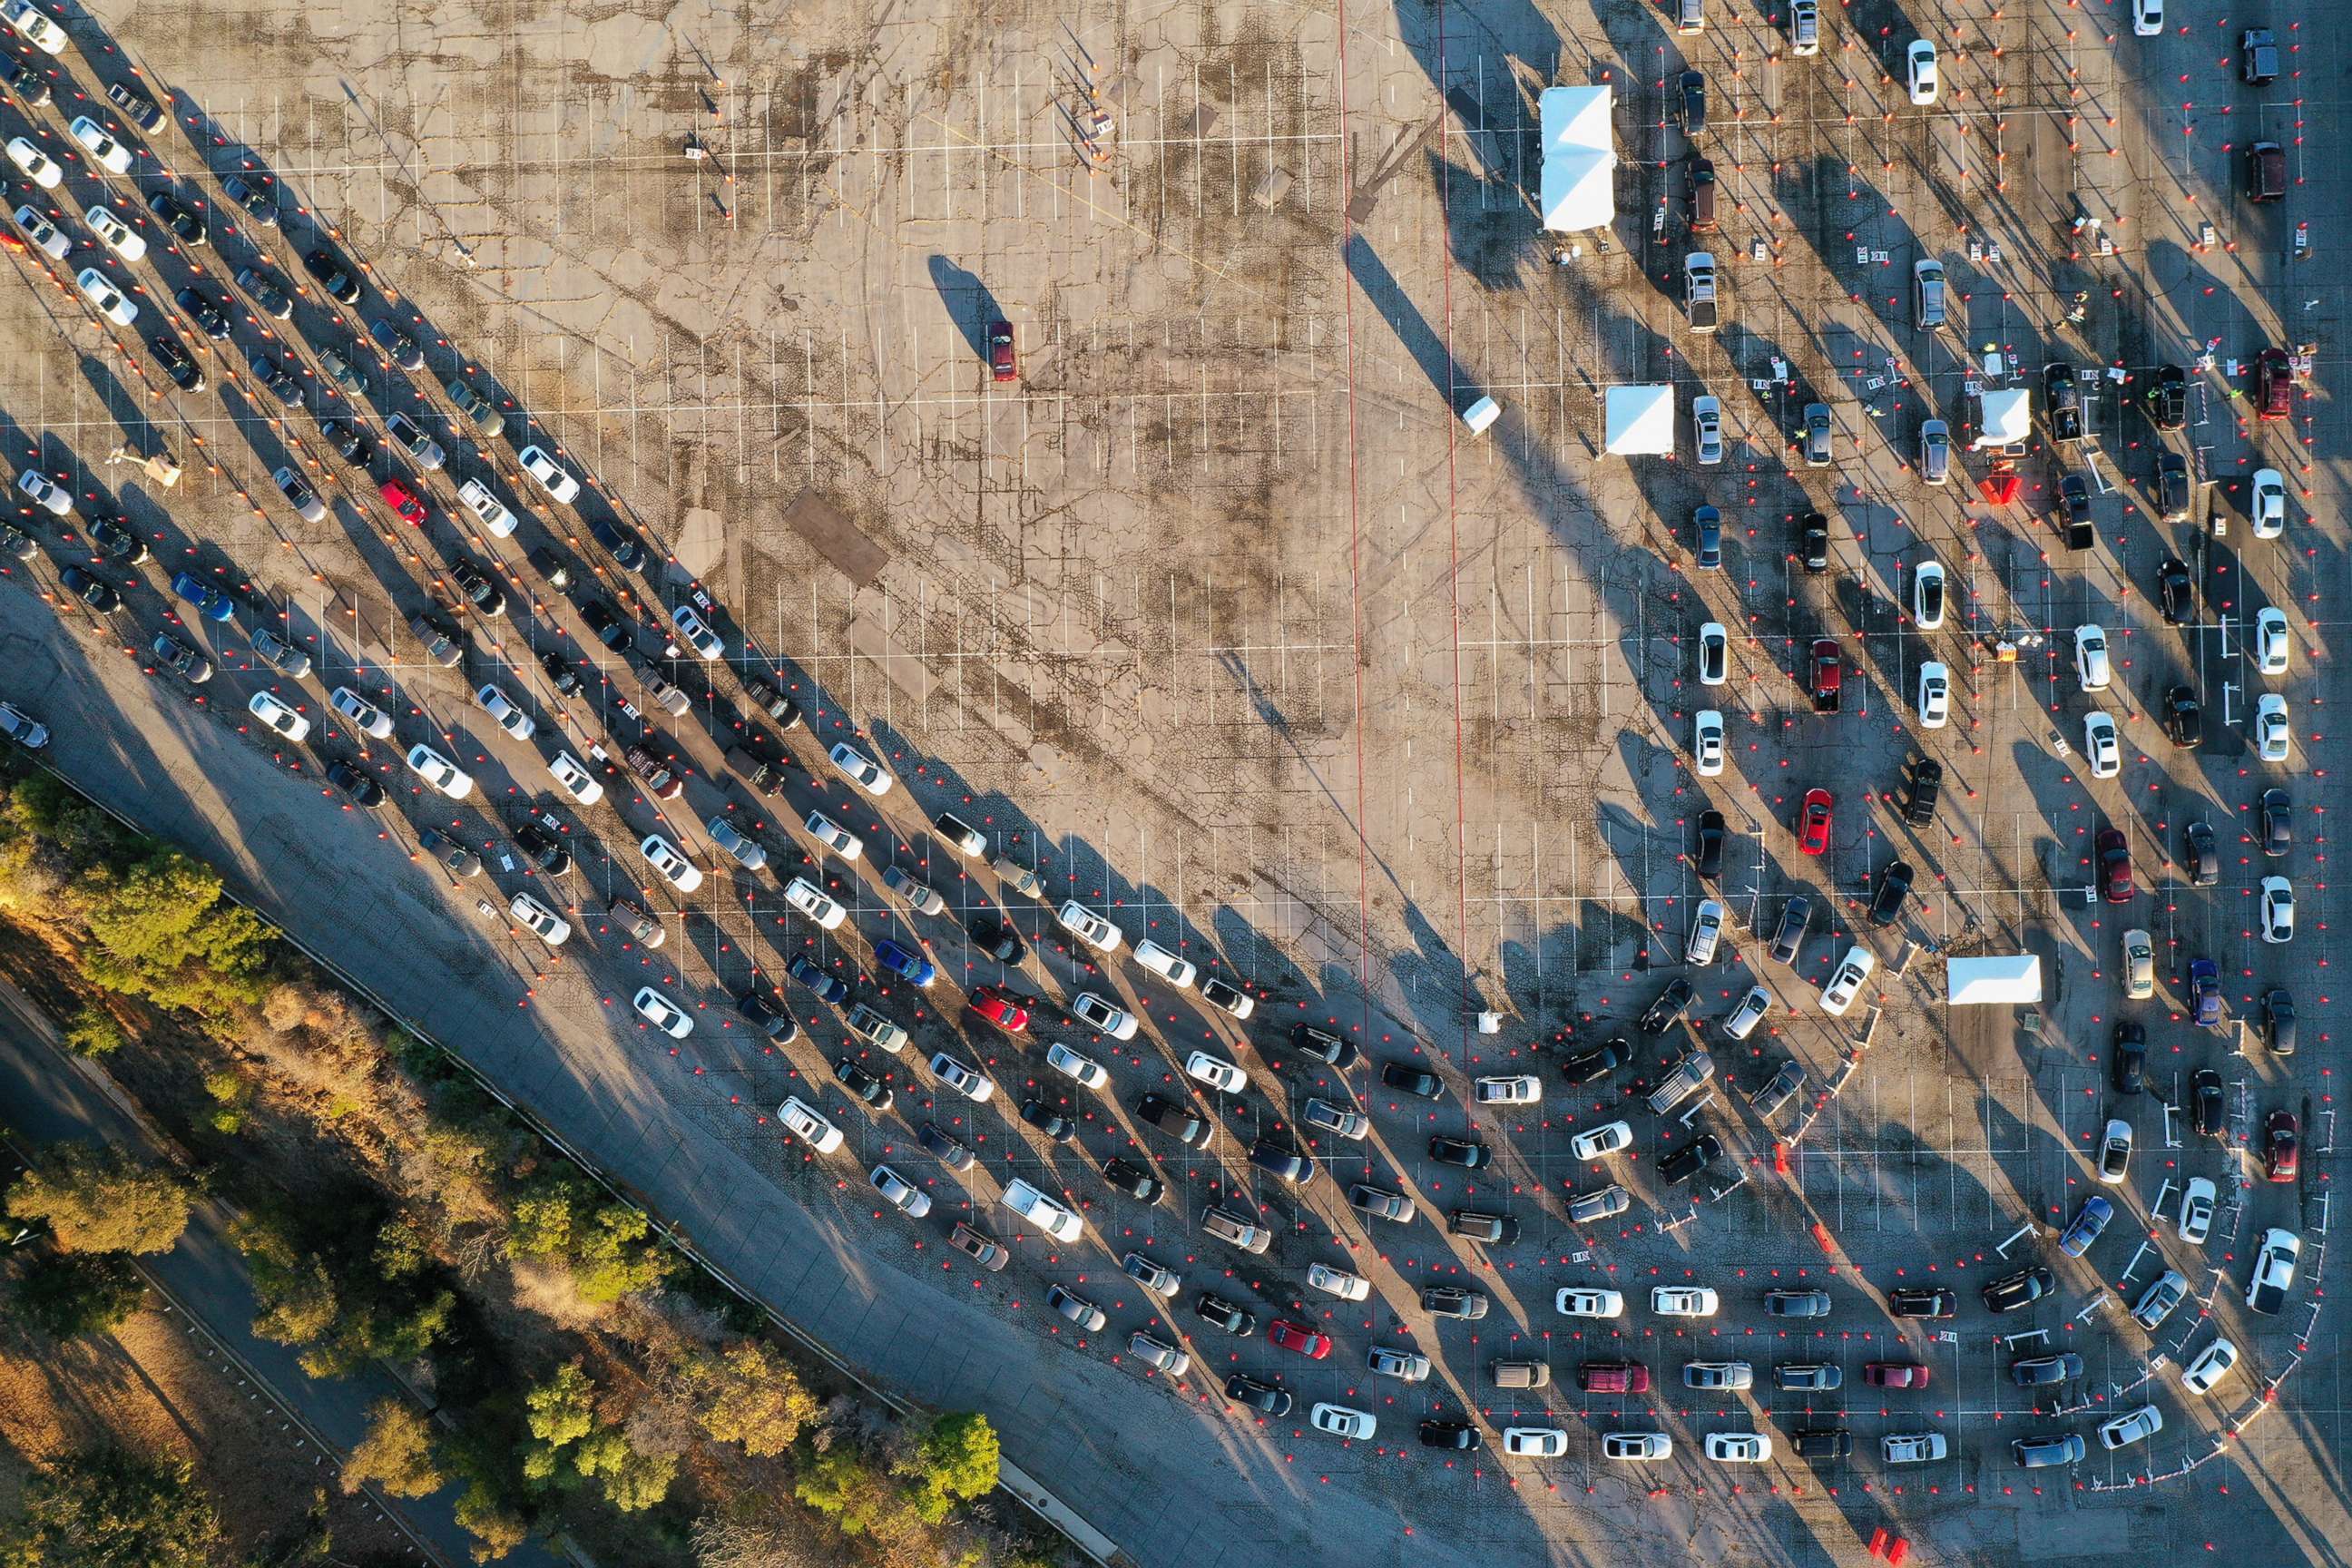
{"x": 66, "y": 1295}
{"x": 101, "y": 1200}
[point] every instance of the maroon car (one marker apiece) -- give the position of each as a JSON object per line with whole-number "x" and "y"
{"x": 2280, "y": 1146}
{"x": 2114, "y": 866}
{"x": 2273, "y": 384}
{"x": 1003, "y": 362}
{"x": 1827, "y": 675}
{"x": 1894, "y": 1375}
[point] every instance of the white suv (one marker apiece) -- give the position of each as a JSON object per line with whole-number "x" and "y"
{"x": 1087, "y": 926}
{"x": 2091, "y": 658}
{"x": 1684, "y": 1301}
{"x": 803, "y": 1122}
{"x": 803, "y": 895}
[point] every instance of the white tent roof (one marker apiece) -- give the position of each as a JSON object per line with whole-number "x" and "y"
{"x": 1641, "y": 420}
{"x": 1580, "y": 158}
{"x": 1980, "y": 981}
{"x": 2007, "y": 420}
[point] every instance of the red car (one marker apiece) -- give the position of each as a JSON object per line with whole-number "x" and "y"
{"x": 1813, "y": 822}
{"x": 403, "y": 499}
{"x": 1827, "y": 675}
{"x": 1894, "y": 1375}
{"x": 1298, "y": 1337}
{"x": 2113, "y": 853}
{"x": 1004, "y": 364}
{"x": 996, "y": 1005}
{"x": 2280, "y": 1146}
{"x": 2273, "y": 384}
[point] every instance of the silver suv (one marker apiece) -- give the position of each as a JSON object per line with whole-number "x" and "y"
{"x": 1229, "y": 1226}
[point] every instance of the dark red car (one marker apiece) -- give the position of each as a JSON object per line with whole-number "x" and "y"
{"x": 1813, "y": 822}
{"x": 1827, "y": 676}
{"x": 1894, "y": 1375}
{"x": 2273, "y": 384}
{"x": 403, "y": 499}
{"x": 1004, "y": 361}
{"x": 996, "y": 1005}
{"x": 1298, "y": 1337}
{"x": 2114, "y": 866}
{"x": 2280, "y": 1146}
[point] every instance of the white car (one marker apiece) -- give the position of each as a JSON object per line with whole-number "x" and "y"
{"x": 2131, "y": 1426}
{"x": 43, "y": 234}
{"x": 748, "y": 853}
{"x": 1087, "y": 926}
{"x": 2102, "y": 747}
{"x": 1337, "y": 1120}
{"x": 901, "y": 1193}
{"x": 577, "y": 781}
{"x": 502, "y": 708}
{"x": 1928, "y": 596}
{"x": 1919, "y": 70}
{"x": 495, "y": 516}
{"x": 1752, "y": 1010}
{"x": 1935, "y": 695}
{"x": 863, "y": 771}
{"x": 803, "y": 1122}
{"x": 1177, "y": 972}
{"x": 1340, "y": 1421}
{"x": 1042, "y": 1211}
{"x": 1739, "y": 1448}
{"x": 104, "y": 150}
{"x": 2211, "y": 1366}
{"x": 662, "y": 1012}
{"x": 1707, "y": 428}
{"x": 1913, "y": 1448}
{"x": 2198, "y": 1200}
{"x": 37, "y": 167}
{"x": 803, "y": 895}
{"x": 1612, "y": 1137}
{"x": 1216, "y": 1072}
{"x": 2269, "y": 508}
{"x": 2090, "y": 667}
{"x": 1847, "y": 983}
{"x": 1714, "y": 653}
{"x": 1160, "y": 1353}
{"x": 2271, "y": 727}
{"x": 963, "y": 1077}
{"x": 676, "y": 868}
{"x": 709, "y": 644}
{"x": 549, "y": 473}
{"x": 99, "y": 290}
{"x": 1684, "y": 1301}
{"x": 1070, "y": 1064}
{"x": 1337, "y": 1282}
{"x": 1534, "y": 1442}
{"x": 833, "y": 837}
{"x": 2278, "y": 910}
{"x": 45, "y": 492}
{"x": 2271, "y": 645}
{"x": 2148, "y": 18}
{"x": 1706, "y": 930}
{"x": 1640, "y": 1448}
{"x": 34, "y": 25}
{"x": 2114, "y": 1162}
{"x": 1115, "y": 1021}
{"x": 439, "y": 772}
{"x": 278, "y": 716}
{"x": 1706, "y": 742}
{"x": 362, "y": 714}
{"x": 119, "y": 236}
{"x": 1588, "y": 1301}
{"x": 1514, "y": 1088}
{"x": 552, "y": 928}
{"x": 2274, "y": 1274}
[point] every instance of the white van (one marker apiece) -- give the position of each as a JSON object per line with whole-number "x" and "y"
{"x": 805, "y": 1123}
{"x": 1042, "y": 1211}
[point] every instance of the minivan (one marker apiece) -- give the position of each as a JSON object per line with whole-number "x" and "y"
{"x": 1688, "y": 1076}
{"x": 2050, "y": 1449}
{"x": 1522, "y": 1374}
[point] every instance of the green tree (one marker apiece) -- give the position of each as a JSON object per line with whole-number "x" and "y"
{"x": 396, "y": 1454}
{"x": 955, "y": 1462}
{"x": 743, "y": 1394}
{"x": 103, "y": 1507}
{"x": 101, "y": 1200}
{"x": 484, "y": 1515}
{"x": 68, "y": 1294}
{"x": 164, "y": 931}
{"x": 560, "y": 1412}
{"x": 840, "y": 1485}
{"x": 232, "y": 1092}
{"x": 607, "y": 1260}
{"x": 296, "y": 1296}
{"x": 633, "y": 1482}
{"x": 92, "y": 1032}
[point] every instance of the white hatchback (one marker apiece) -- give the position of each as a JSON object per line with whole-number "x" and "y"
{"x": 577, "y": 781}
{"x": 277, "y": 715}
{"x": 804, "y": 896}
{"x": 1177, "y": 972}
{"x": 1752, "y": 1011}
{"x": 1706, "y": 930}
{"x": 1706, "y": 742}
{"x": 676, "y": 868}
{"x": 439, "y": 772}
{"x": 1216, "y": 1072}
{"x": 2199, "y": 1198}
{"x": 1112, "y": 1020}
{"x": 2148, "y": 18}
{"x": 43, "y": 234}
{"x": 662, "y": 1012}
{"x": 834, "y": 837}
{"x": 2211, "y": 1366}
{"x": 862, "y": 770}
{"x": 2101, "y": 746}
{"x": 493, "y": 512}
{"x": 1928, "y": 596}
{"x": 963, "y": 1077}
{"x": 1593, "y": 1143}
{"x": 1714, "y": 653}
{"x": 1935, "y": 695}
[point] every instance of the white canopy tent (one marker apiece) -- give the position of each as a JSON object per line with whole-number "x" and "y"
{"x": 2013, "y": 978}
{"x": 1641, "y": 420}
{"x": 2007, "y": 418}
{"x": 1580, "y": 158}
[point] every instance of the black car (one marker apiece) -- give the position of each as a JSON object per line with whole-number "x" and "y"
{"x": 2171, "y": 487}
{"x": 1690, "y": 102}
{"x": 137, "y": 107}
{"x": 14, "y": 542}
{"x": 1459, "y": 1437}
{"x": 2205, "y": 1109}
{"x": 117, "y": 542}
{"x": 1894, "y": 891}
{"x": 98, "y": 595}
{"x": 1813, "y": 542}
{"x": 176, "y": 215}
{"x": 2022, "y": 1289}
{"x": 2184, "y": 721}
{"x": 1407, "y": 1079}
{"x": 480, "y": 592}
{"x": 334, "y": 275}
{"x": 350, "y": 442}
{"x": 266, "y": 291}
{"x": 543, "y": 849}
{"x": 1324, "y": 1047}
{"x": 1177, "y": 1118}
{"x": 2278, "y": 1022}
{"x": 2202, "y": 854}
{"x": 998, "y": 939}
{"x": 1213, "y": 1309}
{"x": 2127, "y": 1057}
{"x": 209, "y": 314}
{"x": 2062, "y": 401}
{"x": 863, "y": 1084}
{"x": 1263, "y": 1397}
{"x": 619, "y": 545}
{"x": 1671, "y": 1004}
{"x": 1923, "y": 1301}
{"x": 280, "y": 381}
{"x": 1048, "y": 1120}
{"x": 1679, "y": 1165}
{"x": 607, "y": 624}
{"x": 256, "y": 199}
{"x": 1282, "y": 1161}
{"x": 2166, "y": 397}
{"x": 26, "y": 80}
{"x": 773, "y": 703}
{"x": 773, "y": 1021}
{"x": 2074, "y": 502}
{"x": 1485, "y": 1227}
{"x": 177, "y": 363}
{"x": 397, "y": 345}
{"x": 362, "y": 789}
{"x": 1588, "y": 1066}
{"x": 1926, "y": 787}
{"x": 2175, "y": 590}
{"x": 1466, "y": 1153}
{"x": 1824, "y": 1443}
{"x": 949, "y": 1150}
{"x": 552, "y": 566}
{"x": 1711, "y": 835}
{"x": 560, "y": 673}
{"x": 2277, "y": 816}
{"x": 1126, "y": 1176}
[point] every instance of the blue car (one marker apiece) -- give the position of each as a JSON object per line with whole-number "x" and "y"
{"x": 2089, "y": 1221}
{"x": 828, "y": 988}
{"x": 2205, "y": 992}
{"x": 911, "y": 967}
{"x": 211, "y": 602}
